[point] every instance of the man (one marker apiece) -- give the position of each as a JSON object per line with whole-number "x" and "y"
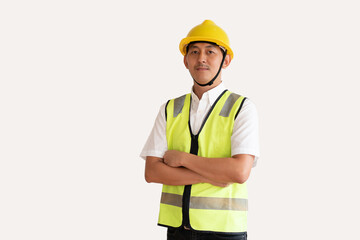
{"x": 203, "y": 146}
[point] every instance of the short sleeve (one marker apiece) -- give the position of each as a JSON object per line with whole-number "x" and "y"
{"x": 156, "y": 144}
{"x": 245, "y": 137}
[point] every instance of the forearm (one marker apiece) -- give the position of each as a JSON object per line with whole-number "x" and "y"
{"x": 157, "y": 171}
{"x": 226, "y": 170}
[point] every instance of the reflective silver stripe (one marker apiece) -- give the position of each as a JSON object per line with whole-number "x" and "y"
{"x": 230, "y": 101}
{"x": 178, "y": 105}
{"x": 215, "y": 203}
{"x": 171, "y": 199}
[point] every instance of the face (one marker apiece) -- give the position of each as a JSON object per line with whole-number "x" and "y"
{"x": 203, "y": 61}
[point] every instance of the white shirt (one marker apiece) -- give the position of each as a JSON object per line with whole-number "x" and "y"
{"x": 245, "y": 137}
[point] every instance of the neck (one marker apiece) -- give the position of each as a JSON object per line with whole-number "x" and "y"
{"x": 199, "y": 91}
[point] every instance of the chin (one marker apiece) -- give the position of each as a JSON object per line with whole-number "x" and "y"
{"x": 203, "y": 79}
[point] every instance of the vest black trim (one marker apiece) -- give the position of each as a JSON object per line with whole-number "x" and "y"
{"x": 238, "y": 111}
{"x": 194, "y": 150}
{"x": 167, "y": 103}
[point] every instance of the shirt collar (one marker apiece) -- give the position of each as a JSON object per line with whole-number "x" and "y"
{"x": 210, "y": 95}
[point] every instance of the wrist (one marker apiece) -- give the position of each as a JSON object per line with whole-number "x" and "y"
{"x": 183, "y": 159}
{"x": 187, "y": 159}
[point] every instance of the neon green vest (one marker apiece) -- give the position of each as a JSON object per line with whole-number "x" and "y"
{"x": 202, "y": 206}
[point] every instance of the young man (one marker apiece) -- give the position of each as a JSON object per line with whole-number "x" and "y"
{"x": 203, "y": 146}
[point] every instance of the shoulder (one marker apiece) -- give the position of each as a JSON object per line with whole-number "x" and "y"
{"x": 178, "y": 97}
{"x": 163, "y": 108}
{"x": 246, "y": 102}
{"x": 249, "y": 104}
{"x": 177, "y": 101}
{"x": 247, "y": 110}
{"x": 246, "y": 106}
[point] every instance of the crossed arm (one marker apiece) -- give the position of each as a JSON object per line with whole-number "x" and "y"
{"x": 180, "y": 168}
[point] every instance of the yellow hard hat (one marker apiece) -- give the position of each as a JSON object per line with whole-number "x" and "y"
{"x": 208, "y": 31}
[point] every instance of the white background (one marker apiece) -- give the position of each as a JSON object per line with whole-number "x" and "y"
{"x": 82, "y": 82}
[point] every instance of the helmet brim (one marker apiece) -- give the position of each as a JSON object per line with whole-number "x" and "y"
{"x": 186, "y": 41}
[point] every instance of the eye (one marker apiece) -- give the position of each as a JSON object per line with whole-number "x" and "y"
{"x": 211, "y": 52}
{"x": 193, "y": 52}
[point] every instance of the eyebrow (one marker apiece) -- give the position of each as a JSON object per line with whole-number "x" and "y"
{"x": 208, "y": 46}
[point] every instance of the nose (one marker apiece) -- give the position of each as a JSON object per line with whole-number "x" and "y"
{"x": 202, "y": 57}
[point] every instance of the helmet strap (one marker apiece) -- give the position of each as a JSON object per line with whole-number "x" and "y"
{"x": 217, "y": 74}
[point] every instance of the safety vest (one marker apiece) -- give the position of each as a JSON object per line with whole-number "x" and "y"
{"x": 202, "y": 206}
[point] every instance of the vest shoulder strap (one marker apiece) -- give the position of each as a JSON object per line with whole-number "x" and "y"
{"x": 178, "y": 105}
{"x": 225, "y": 111}
{"x": 229, "y": 103}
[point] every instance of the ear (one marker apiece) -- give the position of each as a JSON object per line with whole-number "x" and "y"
{"x": 227, "y": 61}
{"x": 185, "y": 62}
